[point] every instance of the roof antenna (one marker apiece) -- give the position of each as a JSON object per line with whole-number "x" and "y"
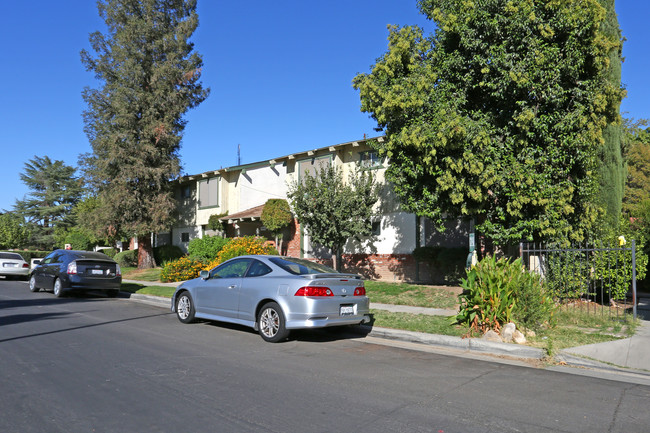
{"x": 238, "y": 154}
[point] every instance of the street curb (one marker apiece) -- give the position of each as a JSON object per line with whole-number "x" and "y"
{"x": 157, "y": 301}
{"x": 472, "y": 345}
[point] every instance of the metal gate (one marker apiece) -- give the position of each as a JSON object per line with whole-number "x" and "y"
{"x": 602, "y": 278}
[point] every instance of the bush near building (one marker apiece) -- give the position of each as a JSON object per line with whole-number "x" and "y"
{"x": 127, "y": 258}
{"x": 241, "y": 247}
{"x": 181, "y": 269}
{"x": 206, "y": 248}
{"x": 165, "y": 253}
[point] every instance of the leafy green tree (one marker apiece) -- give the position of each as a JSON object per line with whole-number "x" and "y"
{"x": 13, "y": 231}
{"x": 86, "y": 231}
{"x": 498, "y": 115}
{"x": 276, "y": 215}
{"x": 89, "y": 222}
{"x": 637, "y": 187}
{"x": 332, "y": 210}
{"x": 78, "y": 240}
{"x": 54, "y": 190}
{"x": 636, "y": 202}
{"x": 150, "y": 77}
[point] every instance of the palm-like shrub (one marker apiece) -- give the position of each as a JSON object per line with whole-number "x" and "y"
{"x": 500, "y": 291}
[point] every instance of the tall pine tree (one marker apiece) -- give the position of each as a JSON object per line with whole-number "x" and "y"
{"x": 612, "y": 170}
{"x": 54, "y": 190}
{"x": 150, "y": 77}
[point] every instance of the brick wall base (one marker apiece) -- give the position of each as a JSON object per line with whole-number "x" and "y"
{"x": 393, "y": 267}
{"x": 386, "y": 267}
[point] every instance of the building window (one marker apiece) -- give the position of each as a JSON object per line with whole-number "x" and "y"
{"x": 370, "y": 159}
{"x": 376, "y": 228}
{"x": 186, "y": 191}
{"x": 313, "y": 166}
{"x": 209, "y": 192}
{"x": 185, "y": 237}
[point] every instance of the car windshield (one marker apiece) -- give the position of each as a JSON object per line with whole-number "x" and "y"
{"x": 301, "y": 266}
{"x": 11, "y": 256}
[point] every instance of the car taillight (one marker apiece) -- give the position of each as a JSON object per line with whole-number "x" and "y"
{"x": 25, "y": 265}
{"x": 314, "y": 291}
{"x": 72, "y": 268}
{"x": 360, "y": 291}
{"x": 118, "y": 271}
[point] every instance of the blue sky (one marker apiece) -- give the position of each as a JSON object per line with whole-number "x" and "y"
{"x": 280, "y": 76}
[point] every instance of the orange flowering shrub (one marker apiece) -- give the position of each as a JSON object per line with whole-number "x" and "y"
{"x": 241, "y": 247}
{"x": 182, "y": 269}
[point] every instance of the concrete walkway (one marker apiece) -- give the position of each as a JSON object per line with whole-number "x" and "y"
{"x": 629, "y": 353}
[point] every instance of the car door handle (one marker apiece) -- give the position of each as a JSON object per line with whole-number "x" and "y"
{"x": 232, "y": 287}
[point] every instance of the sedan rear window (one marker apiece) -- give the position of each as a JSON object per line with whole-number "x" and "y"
{"x": 11, "y": 256}
{"x": 301, "y": 266}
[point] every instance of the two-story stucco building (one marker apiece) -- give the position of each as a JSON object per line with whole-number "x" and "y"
{"x": 241, "y": 192}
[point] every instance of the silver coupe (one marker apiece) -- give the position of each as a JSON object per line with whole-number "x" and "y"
{"x": 273, "y": 295}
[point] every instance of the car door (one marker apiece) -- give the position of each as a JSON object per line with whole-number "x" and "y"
{"x": 254, "y": 287}
{"x": 219, "y": 294}
{"x": 47, "y": 271}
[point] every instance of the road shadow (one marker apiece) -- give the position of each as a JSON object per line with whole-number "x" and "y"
{"x": 21, "y": 318}
{"x": 328, "y": 335}
{"x": 312, "y": 335}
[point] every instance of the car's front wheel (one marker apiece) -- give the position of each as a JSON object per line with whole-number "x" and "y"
{"x": 185, "y": 308}
{"x": 58, "y": 288}
{"x": 271, "y": 323}
{"x": 32, "y": 284}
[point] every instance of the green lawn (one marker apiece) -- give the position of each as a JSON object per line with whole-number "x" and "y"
{"x": 141, "y": 274}
{"x": 411, "y": 294}
{"x": 153, "y": 290}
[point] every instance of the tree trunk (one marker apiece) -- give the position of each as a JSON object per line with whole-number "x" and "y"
{"x": 145, "y": 253}
{"x": 337, "y": 258}
{"x": 277, "y": 245}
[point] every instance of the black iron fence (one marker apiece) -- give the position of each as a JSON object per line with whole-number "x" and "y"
{"x": 599, "y": 278}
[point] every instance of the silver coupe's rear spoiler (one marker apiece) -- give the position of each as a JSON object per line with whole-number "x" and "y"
{"x": 337, "y": 276}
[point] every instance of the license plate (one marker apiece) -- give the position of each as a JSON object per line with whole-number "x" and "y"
{"x": 10, "y": 265}
{"x": 347, "y": 310}
{"x": 97, "y": 272}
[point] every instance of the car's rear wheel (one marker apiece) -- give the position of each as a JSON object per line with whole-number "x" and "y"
{"x": 32, "y": 284}
{"x": 58, "y": 288}
{"x": 271, "y": 323}
{"x": 112, "y": 293}
{"x": 185, "y": 308}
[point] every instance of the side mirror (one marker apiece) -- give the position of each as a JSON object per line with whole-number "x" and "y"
{"x": 204, "y": 275}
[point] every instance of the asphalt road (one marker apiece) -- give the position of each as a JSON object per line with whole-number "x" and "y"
{"x": 93, "y": 364}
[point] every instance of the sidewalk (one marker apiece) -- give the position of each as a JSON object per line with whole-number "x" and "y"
{"x": 629, "y": 355}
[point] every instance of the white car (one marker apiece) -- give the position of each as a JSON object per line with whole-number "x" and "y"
{"x": 13, "y": 265}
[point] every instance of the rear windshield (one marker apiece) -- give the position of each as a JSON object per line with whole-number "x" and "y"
{"x": 12, "y": 256}
{"x": 301, "y": 266}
